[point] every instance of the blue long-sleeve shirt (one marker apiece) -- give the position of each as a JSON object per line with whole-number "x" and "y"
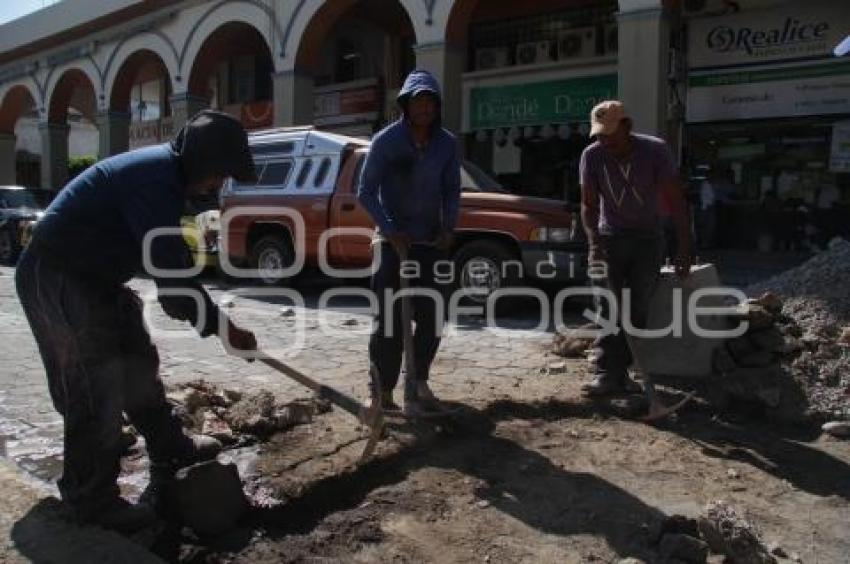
{"x": 410, "y": 191}
{"x": 97, "y": 224}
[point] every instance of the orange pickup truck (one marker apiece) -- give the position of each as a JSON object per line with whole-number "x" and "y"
{"x": 501, "y": 239}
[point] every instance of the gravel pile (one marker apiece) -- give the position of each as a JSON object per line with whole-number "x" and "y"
{"x": 816, "y": 293}
{"x": 816, "y": 304}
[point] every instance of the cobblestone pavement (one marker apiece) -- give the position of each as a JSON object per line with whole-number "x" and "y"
{"x": 327, "y": 343}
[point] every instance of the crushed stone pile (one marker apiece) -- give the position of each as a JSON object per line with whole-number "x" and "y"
{"x": 719, "y": 531}
{"x": 731, "y": 534}
{"x": 236, "y": 418}
{"x": 809, "y": 307}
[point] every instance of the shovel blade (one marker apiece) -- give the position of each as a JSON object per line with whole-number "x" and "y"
{"x": 658, "y": 410}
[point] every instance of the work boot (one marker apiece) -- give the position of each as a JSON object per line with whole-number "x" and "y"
{"x": 117, "y": 514}
{"x": 193, "y": 449}
{"x": 603, "y": 385}
{"x": 387, "y": 403}
{"x": 197, "y": 448}
{"x": 200, "y": 449}
{"x": 629, "y": 386}
{"x": 426, "y": 397}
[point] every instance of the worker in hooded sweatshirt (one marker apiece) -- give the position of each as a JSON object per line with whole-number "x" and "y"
{"x": 88, "y": 324}
{"x": 410, "y": 185}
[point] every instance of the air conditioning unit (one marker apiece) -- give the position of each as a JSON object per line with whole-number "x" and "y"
{"x": 611, "y": 39}
{"x": 534, "y": 52}
{"x": 577, "y": 43}
{"x": 491, "y": 58}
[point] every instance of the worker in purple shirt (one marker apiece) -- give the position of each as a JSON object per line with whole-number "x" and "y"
{"x": 623, "y": 175}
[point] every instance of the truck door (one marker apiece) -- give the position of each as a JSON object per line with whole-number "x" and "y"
{"x": 349, "y": 249}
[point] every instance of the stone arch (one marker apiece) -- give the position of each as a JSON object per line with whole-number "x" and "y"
{"x": 140, "y": 61}
{"x": 229, "y": 39}
{"x": 83, "y": 73}
{"x": 458, "y": 21}
{"x": 248, "y": 12}
{"x": 16, "y": 101}
{"x": 311, "y": 18}
{"x": 126, "y": 55}
{"x": 70, "y": 89}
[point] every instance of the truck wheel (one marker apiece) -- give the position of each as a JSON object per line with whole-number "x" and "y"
{"x": 9, "y": 248}
{"x": 271, "y": 253}
{"x": 481, "y": 268}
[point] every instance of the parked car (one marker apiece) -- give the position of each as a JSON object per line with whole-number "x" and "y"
{"x": 501, "y": 239}
{"x": 20, "y": 209}
{"x": 200, "y": 230}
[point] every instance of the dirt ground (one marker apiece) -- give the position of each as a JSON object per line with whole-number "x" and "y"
{"x": 531, "y": 472}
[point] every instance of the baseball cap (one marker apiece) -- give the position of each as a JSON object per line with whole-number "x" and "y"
{"x": 605, "y": 117}
{"x": 214, "y": 143}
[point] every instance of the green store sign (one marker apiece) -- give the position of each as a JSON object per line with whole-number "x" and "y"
{"x": 557, "y": 101}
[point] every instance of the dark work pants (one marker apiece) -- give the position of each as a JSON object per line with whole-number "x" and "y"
{"x": 634, "y": 264}
{"x": 387, "y": 342}
{"x": 100, "y": 362}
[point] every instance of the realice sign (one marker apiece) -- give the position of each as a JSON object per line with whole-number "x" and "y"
{"x": 793, "y": 33}
{"x": 789, "y": 32}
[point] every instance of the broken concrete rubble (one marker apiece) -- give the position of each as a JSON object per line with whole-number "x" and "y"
{"x": 840, "y": 429}
{"x": 727, "y": 532}
{"x": 574, "y": 343}
{"x": 233, "y": 417}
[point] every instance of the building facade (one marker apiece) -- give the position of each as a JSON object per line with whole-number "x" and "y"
{"x": 519, "y": 79}
{"x": 135, "y": 70}
{"x": 766, "y": 122}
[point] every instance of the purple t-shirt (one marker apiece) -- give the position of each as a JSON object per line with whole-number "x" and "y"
{"x": 628, "y": 191}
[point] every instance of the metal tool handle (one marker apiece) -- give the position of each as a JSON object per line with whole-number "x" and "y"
{"x": 336, "y": 397}
{"x": 410, "y": 390}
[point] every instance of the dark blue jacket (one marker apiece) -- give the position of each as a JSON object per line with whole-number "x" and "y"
{"x": 96, "y": 225}
{"x": 408, "y": 191}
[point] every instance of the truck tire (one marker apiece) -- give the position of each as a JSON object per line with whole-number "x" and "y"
{"x": 9, "y": 247}
{"x": 481, "y": 266}
{"x": 268, "y": 253}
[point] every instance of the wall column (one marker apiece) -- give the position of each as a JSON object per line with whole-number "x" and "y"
{"x": 54, "y": 155}
{"x": 8, "y": 169}
{"x": 644, "y": 29}
{"x": 185, "y": 106}
{"x": 114, "y": 130}
{"x": 446, "y": 63}
{"x": 293, "y": 98}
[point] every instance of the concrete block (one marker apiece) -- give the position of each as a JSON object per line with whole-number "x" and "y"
{"x": 209, "y": 497}
{"x": 687, "y": 355}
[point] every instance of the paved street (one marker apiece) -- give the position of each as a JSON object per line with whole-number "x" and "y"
{"x": 331, "y": 348}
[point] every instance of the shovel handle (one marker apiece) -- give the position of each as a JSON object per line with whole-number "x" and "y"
{"x": 344, "y": 401}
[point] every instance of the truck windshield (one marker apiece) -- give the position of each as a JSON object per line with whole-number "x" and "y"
{"x": 17, "y": 199}
{"x": 473, "y": 179}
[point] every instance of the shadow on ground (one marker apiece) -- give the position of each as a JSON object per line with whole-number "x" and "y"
{"x": 46, "y": 534}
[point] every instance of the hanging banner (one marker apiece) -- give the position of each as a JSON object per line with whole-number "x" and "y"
{"x": 256, "y": 115}
{"x": 777, "y": 92}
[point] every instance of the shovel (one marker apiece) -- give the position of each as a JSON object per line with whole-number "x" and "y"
{"x": 372, "y": 417}
{"x": 410, "y": 377}
{"x": 657, "y": 409}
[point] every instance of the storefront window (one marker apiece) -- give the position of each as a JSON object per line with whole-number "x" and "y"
{"x": 771, "y": 185}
